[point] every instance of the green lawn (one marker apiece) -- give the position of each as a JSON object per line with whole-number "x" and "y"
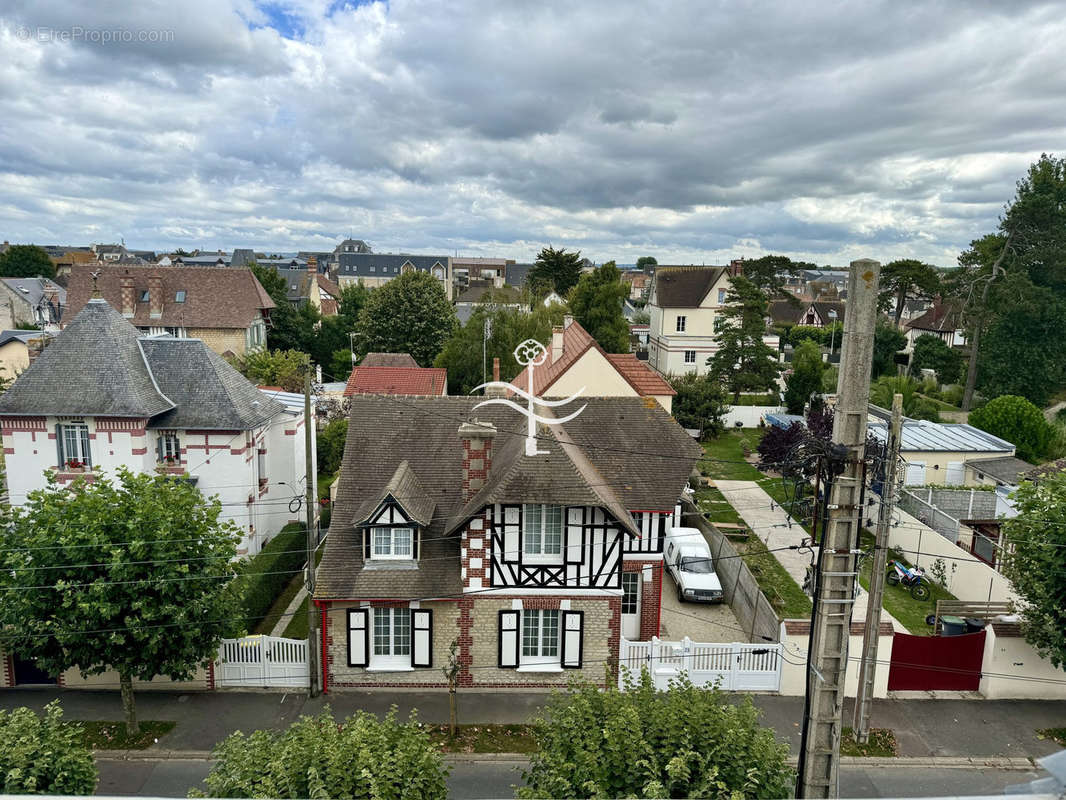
{"x": 110, "y": 735}
{"x": 898, "y": 601}
{"x": 785, "y": 595}
{"x": 297, "y": 627}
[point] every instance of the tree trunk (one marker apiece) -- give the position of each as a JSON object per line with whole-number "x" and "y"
{"x": 453, "y": 712}
{"x": 129, "y": 708}
{"x": 901, "y": 300}
{"x": 971, "y": 368}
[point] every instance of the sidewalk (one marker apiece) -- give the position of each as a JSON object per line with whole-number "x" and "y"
{"x": 924, "y": 727}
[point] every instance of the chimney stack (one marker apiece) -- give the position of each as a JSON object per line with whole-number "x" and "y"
{"x": 557, "y": 343}
{"x": 34, "y": 347}
{"x": 129, "y": 297}
{"x": 476, "y": 438}
{"x": 312, "y": 265}
{"x": 495, "y": 369}
{"x": 492, "y": 391}
{"x": 155, "y": 296}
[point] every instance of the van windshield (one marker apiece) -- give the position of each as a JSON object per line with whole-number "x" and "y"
{"x": 700, "y": 564}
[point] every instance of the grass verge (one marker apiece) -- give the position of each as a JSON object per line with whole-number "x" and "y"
{"x": 1057, "y": 735}
{"x": 897, "y": 600}
{"x": 108, "y": 735}
{"x": 881, "y": 744}
{"x": 484, "y": 738}
{"x": 297, "y": 627}
{"x": 785, "y": 595}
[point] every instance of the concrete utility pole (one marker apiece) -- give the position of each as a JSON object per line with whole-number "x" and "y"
{"x": 868, "y": 662}
{"x": 819, "y": 759}
{"x": 309, "y": 501}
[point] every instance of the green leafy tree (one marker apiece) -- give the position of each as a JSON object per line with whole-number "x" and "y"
{"x": 138, "y": 574}
{"x": 798, "y": 334}
{"x": 806, "y": 376}
{"x": 1018, "y": 421}
{"x": 272, "y": 282}
{"x": 26, "y": 261}
{"x": 409, "y": 314}
{"x": 914, "y": 405}
{"x": 317, "y": 757}
{"x": 44, "y": 755}
{"x": 554, "y": 270}
{"x": 932, "y": 352}
{"x": 646, "y": 262}
{"x": 642, "y": 317}
{"x": 888, "y": 340}
{"x": 700, "y": 403}
{"x": 462, "y": 353}
{"x": 904, "y": 280}
{"x": 284, "y": 368}
{"x": 330, "y": 445}
{"x": 339, "y": 367}
{"x": 770, "y": 274}
{"x": 683, "y": 742}
{"x": 597, "y": 301}
{"x": 1035, "y": 563}
{"x": 744, "y": 362}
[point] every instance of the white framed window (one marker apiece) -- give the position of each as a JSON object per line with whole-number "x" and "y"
{"x": 394, "y": 543}
{"x": 721, "y": 297}
{"x": 72, "y": 440}
{"x": 540, "y": 636}
{"x": 542, "y": 533}
{"x": 630, "y": 587}
{"x": 690, "y": 356}
{"x": 681, "y": 322}
{"x": 168, "y": 447}
{"x": 391, "y": 638}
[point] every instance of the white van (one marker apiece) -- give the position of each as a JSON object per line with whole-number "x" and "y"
{"x": 688, "y": 560}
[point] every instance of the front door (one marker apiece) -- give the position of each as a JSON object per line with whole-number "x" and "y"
{"x": 631, "y": 605}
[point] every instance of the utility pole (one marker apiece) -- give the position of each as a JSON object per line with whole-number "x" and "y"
{"x": 309, "y": 501}
{"x": 868, "y": 661}
{"x": 827, "y": 657}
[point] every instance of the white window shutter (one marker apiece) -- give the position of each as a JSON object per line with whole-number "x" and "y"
{"x": 421, "y": 638}
{"x": 511, "y": 545}
{"x": 574, "y": 536}
{"x": 358, "y": 637}
{"x": 573, "y": 639}
{"x": 508, "y": 652}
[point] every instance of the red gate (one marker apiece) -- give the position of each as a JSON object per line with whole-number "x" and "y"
{"x": 936, "y": 662}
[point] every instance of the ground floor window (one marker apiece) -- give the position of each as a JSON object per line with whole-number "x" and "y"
{"x": 73, "y": 443}
{"x": 690, "y": 356}
{"x": 540, "y": 636}
{"x": 630, "y": 587}
{"x": 392, "y": 636}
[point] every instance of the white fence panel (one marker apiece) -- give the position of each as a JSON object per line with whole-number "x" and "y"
{"x": 734, "y": 667}
{"x": 261, "y": 661}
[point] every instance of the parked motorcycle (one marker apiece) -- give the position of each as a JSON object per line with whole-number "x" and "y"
{"x": 913, "y": 577}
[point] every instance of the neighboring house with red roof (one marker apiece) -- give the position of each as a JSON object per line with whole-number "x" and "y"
{"x": 226, "y": 308}
{"x": 576, "y": 361}
{"x": 942, "y": 321}
{"x": 414, "y": 381}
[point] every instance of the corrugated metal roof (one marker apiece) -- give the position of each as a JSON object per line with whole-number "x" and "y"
{"x": 924, "y": 436}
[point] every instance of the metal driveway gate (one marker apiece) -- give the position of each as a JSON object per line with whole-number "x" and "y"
{"x": 261, "y": 661}
{"x": 735, "y": 667}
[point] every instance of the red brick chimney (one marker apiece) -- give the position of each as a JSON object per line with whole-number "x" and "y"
{"x": 155, "y": 295}
{"x": 312, "y": 265}
{"x": 129, "y": 298}
{"x": 476, "y": 438}
{"x": 34, "y": 347}
{"x": 495, "y": 369}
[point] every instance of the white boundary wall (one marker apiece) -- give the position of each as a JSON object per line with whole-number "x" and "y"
{"x": 749, "y": 416}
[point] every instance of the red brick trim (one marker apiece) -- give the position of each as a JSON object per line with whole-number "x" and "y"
{"x": 9, "y": 672}
{"x": 133, "y": 425}
{"x": 324, "y": 610}
{"x": 211, "y": 674}
{"x": 614, "y": 627}
{"x": 466, "y": 641}
{"x": 9, "y": 424}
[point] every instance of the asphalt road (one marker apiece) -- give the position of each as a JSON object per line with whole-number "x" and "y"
{"x": 476, "y": 780}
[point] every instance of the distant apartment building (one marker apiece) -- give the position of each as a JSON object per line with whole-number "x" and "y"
{"x": 377, "y": 269}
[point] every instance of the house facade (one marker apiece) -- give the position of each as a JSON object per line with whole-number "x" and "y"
{"x": 38, "y": 301}
{"x": 941, "y": 320}
{"x": 445, "y": 530}
{"x": 102, "y": 395}
{"x": 225, "y": 307}
{"x": 377, "y": 269}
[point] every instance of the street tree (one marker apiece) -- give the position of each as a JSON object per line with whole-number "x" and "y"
{"x": 44, "y": 754}
{"x": 556, "y": 270}
{"x": 639, "y": 742}
{"x": 805, "y": 379}
{"x": 906, "y": 279}
{"x": 26, "y": 261}
{"x": 888, "y": 340}
{"x": 284, "y": 368}
{"x": 596, "y": 303}
{"x": 359, "y": 757}
{"x": 770, "y": 274}
{"x": 132, "y": 574}
{"x": 700, "y": 404}
{"x": 409, "y": 314}
{"x": 744, "y": 362}
{"x": 1035, "y": 563}
{"x": 1018, "y": 421}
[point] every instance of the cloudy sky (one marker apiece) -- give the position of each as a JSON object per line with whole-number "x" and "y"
{"x": 692, "y": 131}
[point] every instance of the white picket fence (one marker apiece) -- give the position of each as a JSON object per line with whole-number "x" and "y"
{"x": 734, "y": 667}
{"x": 254, "y": 662}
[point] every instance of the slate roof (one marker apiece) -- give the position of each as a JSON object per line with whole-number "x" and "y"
{"x": 22, "y": 336}
{"x": 477, "y": 294}
{"x": 32, "y": 291}
{"x": 388, "y": 360}
{"x": 941, "y": 317}
{"x": 1043, "y": 470}
{"x": 242, "y": 257}
{"x": 405, "y": 488}
{"x": 370, "y": 265}
{"x": 101, "y": 366}
{"x": 619, "y": 453}
{"x": 1007, "y": 469}
{"x": 397, "y": 380}
{"x": 684, "y": 287}
{"x": 515, "y": 274}
{"x": 215, "y": 297}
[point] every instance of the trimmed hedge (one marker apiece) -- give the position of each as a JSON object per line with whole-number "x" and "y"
{"x": 266, "y": 575}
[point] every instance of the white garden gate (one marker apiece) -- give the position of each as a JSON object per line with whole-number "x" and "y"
{"x": 254, "y": 662}
{"x": 734, "y": 667}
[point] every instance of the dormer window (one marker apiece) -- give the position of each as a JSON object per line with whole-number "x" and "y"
{"x": 144, "y": 296}
{"x": 542, "y": 533}
{"x": 179, "y": 296}
{"x": 392, "y": 543}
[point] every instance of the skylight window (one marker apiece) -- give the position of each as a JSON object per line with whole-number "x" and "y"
{"x": 179, "y": 296}
{"x": 144, "y": 296}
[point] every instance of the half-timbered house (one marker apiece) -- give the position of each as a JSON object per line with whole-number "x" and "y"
{"x": 444, "y": 531}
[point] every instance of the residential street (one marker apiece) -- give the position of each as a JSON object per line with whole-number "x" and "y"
{"x": 471, "y": 780}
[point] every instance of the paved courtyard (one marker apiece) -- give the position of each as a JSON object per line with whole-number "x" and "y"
{"x": 701, "y": 622}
